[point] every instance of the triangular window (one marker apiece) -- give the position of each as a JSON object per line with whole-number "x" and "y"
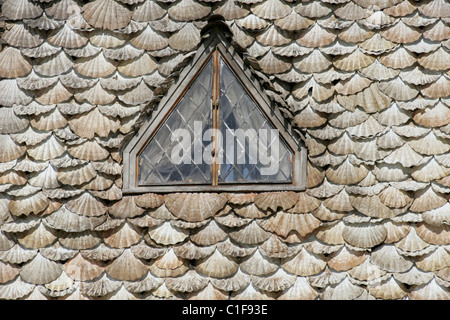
{"x": 215, "y": 131}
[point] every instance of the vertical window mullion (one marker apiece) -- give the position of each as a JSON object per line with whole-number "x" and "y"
{"x": 215, "y": 115}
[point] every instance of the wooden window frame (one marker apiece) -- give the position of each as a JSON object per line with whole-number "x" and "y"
{"x": 216, "y": 42}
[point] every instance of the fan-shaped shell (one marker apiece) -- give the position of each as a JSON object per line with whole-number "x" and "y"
{"x": 364, "y": 235}
{"x": 41, "y": 270}
{"x": 21, "y": 36}
{"x": 217, "y": 265}
{"x": 304, "y": 263}
{"x": 81, "y": 269}
{"x": 126, "y": 267}
{"x": 189, "y": 282}
{"x": 169, "y": 265}
{"x": 166, "y": 234}
{"x": 316, "y": 36}
{"x": 275, "y": 200}
{"x": 195, "y": 207}
{"x": 106, "y": 14}
{"x": 188, "y": 10}
{"x": 13, "y": 64}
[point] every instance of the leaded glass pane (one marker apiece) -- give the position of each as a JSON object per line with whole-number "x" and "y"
{"x": 253, "y": 150}
{"x": 174, "y": 153}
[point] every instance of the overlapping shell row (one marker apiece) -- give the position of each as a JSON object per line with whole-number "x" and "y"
{"x": 367, "y": 83}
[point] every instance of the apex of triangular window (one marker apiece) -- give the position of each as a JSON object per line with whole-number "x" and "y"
{"x": 214, "y": 130}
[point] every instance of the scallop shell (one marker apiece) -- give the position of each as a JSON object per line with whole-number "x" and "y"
{"x": 95, "y": 95}
{"x": 126, "y": 267}
{"x": 26, "y": 205}
{"x": 378, "y": 20}
{"x": 411, "y": 244}
{"x": 13, "y": 64}
{"x": 149, "y": 10}
{"x": 40, "y": 270}
{"x": 53, "y": 65}
{"x": 437, "y": 9}
{"x": 312, "y": 9}
{"x": 21, "y": 36}
{"x": 252, "y": 22}
{"x": 57, "y": 93}
{"x": 208, "y": 293}
{"x": 15, "y": 289}
{"x": 188, "y": 10}
{"x": 401, "y": 33}
{"x": 438, "y": 235}
{"x": 275, "y": 248}
{"x": 316, "y": 36}
{"x": 347, "y": 173}
{"x": 81, "y": 269}
{"x": 107, "y": 39}
{"x": 79, "y": 241}
{"x": 8, "y": 272}
{"x": 166, "y": 234}
{"x": 300, "y": 290}
{"x": 437, "y": 89}
{"x": 125, "y": 52}
{"x": 231, "y": 10}
{"x": 284, "y": 223}
{"x": 398, "y": 59}
{"x": 377, "y": 71}
{"x": 366, "y": 272}
{"x": 377, "y": 45}
{"x": 95, "y": 67}
{"x": 249, "y": 234}
{"x": 252, "y": 293}
{"x": 293, "y": 22}
{"x": 147, "y": 284}
{"x": 99, "y": 287}
{"x": 209, "y": 235}
{"x": 437, "y": 32}
{"x": 150, "y": 40}
{"x": 398, "y": 90}
{"x": 271, "y": 10}
{"x": 430, "y": 291}
{"x": 354, "y": 61}
{"x": 65, "y": 220}
{"x": 102, "y": 253}
{"x": 435, "y": 116}
{"x": 345, "y": 259}
{"x": 190, "y": 251}
{"x": 14, "y": 96}
{"x": 388, "y": 289}
{"x": 195, "y": 207}
{"x": 106, "y": 14}
{"x": 388, "y": 259}
{"x": 93, "y": 123}
{"x": 141, "y": 94}
{"x": 67, "y": 37}
{"x": 76, "y": 175}
{"x": 438, "y": 216}
{"x": 275, "y": 200}
{"x": 89, "y": 150}
{"x": 270, "y": 63}
{"x": 355, "y": 33}
{"x": 19, "y": 10}
{"x": 17, "y": 255}
{"x": 364, "y": 235}
{"x": 169, "y": 265}
{"x": 314, "y": 62}
{"x": 189, "y": 282}
{"x": 304, "y": 264}
{"x": 280, "y": 280}
{"x": 434, "y": 261}
{"x": 217, "y": 266}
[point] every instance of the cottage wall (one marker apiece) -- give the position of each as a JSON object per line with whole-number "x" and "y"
{"x": 366, "y": 83}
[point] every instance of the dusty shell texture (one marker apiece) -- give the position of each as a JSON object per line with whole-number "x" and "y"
{"x": 365, "y": 83}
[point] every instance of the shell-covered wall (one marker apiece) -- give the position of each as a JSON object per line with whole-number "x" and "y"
{"x": 367, "y": 83}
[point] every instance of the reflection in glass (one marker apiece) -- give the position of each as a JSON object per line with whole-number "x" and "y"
{"x": 253, "y": 150}
{"x": 156, "y": 165}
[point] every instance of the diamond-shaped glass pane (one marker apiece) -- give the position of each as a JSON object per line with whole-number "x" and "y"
{"x": 174, "y": 153}
{"x": 253, "y": 150}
